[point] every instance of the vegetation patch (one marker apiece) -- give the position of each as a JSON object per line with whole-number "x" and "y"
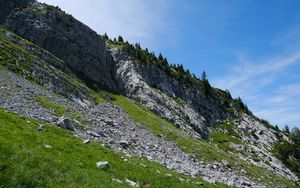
{"x": 223, "y": 140}
{"x": 59, "y": 110}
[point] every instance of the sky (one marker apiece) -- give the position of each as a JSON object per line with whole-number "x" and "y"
{"x": 250, "y": 47}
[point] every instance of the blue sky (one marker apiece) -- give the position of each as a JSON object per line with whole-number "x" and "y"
{"x": 251, "y": 47}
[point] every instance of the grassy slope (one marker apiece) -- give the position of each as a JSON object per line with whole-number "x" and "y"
{"x": 25, "y": 162}
{"x": 203, "y": 150}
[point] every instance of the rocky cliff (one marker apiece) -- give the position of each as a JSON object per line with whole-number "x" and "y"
{"x": 46, "y": 46}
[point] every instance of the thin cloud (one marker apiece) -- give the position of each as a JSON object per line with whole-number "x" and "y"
{"x": 135, "y": 20}
{"x": 264, "y": 87}
{"x": 264, "y": 71}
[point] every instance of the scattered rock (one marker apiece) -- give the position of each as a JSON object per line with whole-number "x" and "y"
{"x": 149, "y": 158}
{"x": 124, "y": 144}
{"x": 143, "y": 165}
{"x": 93, "y": 133}
{"x": 198, "y": 183}
{"x": 225, "y": 162}
{"x": 132, "y": 183}
{"x": 246, "y": 183}
{"x": 102, "y": 164}
{"x": 48, "y": 146}
{"x": 40, "y": 127}
{"x": 65, "y": 123}
{"x": 86, "y": 141}
{"x": 243, "y": 172}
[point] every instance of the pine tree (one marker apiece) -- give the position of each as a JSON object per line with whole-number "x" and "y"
{"x": 286, "y": 129}
{"x": 120, "y": 39}
{"x": 105, "y": 36}
{"x": 203, "y": 76}
{"x": 160, "y": 57}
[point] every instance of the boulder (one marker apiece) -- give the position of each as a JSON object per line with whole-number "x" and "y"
{"x": 65, "y": 123}
{"x": 48, "y": 146}
{"x": 132, "y": 183}
{"x": 102, "y": 164}
{"x": 124, "y": 144}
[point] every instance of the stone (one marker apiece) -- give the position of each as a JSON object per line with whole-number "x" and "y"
{"x": 40, "y": 127}
{"x": 124, "y": 144}
{"x": 198, "y": 183}
{"x": 102, "y": 164}
{"x": 48, "y": 146}
{"x": 225, "y": 162}
{"x": 93, "y": 133}
{"x": 149, "y": 158}
{"x": 65, "y": 123}
{"x": 246, "y": 183}
{"x": 243, "y": 172}
{"x": 132, "y": 183}
{"x": 86, "y": 141}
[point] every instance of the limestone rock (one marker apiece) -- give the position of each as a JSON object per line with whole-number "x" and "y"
{"x": 65, "y": 123}
{"x": 132, "y": 183}
{"x": 102, "y": 164}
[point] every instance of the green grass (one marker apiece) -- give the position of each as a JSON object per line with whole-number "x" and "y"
{"x": 26, "y": 162}
{"x": 59, "y": 110}
{"x": 223, "y": 140}
{"x": 201, "y": 149}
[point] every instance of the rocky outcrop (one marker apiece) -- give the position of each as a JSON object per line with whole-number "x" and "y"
{"x": 36, "y": 64}
{"x": 260, "y": 141}
{"x": 61, "y": 34}
{"x": 9, "y": 7}
{"x": 188, "y": 108}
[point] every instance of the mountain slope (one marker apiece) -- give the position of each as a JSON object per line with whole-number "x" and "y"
{"x": 170, "y": 112}
{"x": 86, "y": 55}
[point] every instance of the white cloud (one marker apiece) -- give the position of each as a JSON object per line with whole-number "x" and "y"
{"x": 263, "y": 86}
{"x": 135, "y": 20}
{"x": 263, "y": 72}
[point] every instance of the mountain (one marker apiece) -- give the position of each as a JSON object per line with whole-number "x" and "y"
{"x": 57, "y": 71}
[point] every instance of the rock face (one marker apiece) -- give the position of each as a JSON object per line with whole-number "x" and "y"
{"x": 62, "y": 35}
{"x": 193, "y": 113}
{"x": 8, "y": 7}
